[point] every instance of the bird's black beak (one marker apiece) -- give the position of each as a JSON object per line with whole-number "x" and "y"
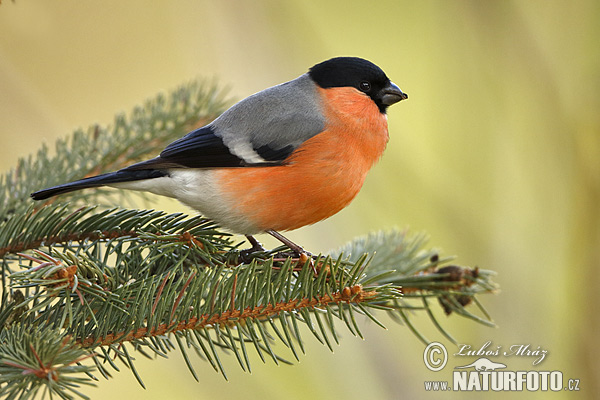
{"x": 391, "y": 94}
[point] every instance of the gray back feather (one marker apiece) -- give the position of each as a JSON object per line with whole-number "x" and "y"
{"x": 278, "y": 117}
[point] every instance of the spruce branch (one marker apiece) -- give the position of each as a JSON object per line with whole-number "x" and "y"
{"x": 87, "y": 286}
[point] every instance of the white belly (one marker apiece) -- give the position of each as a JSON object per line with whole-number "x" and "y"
{"x": 198, "y": 189}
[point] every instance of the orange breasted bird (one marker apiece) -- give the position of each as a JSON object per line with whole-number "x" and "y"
{"x": 288, "y": 156}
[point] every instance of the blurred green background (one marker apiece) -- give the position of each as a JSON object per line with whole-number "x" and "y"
{"x": 496, "y": 155}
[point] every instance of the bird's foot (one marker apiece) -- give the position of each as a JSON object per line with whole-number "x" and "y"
{"x": 246, "y": 255}
{"x": 296, "y": 251}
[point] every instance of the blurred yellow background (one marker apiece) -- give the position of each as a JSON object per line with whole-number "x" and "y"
{"x": 496, "y": 155}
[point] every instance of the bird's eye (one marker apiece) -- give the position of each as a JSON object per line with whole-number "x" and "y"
{"x": 365, "y": 86}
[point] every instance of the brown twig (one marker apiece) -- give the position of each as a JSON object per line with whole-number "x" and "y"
{"x": 72, "y": 237}
{"x": 355, "y": 295}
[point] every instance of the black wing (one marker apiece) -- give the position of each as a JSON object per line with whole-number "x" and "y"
{"x": 203, "y": 149}
{"x": 200, "y": 149}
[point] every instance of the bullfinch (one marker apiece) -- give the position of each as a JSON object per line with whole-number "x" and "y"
{"x": 288, "y": 156}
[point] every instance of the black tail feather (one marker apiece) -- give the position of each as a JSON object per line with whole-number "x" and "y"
{"x": 100, "y": 180}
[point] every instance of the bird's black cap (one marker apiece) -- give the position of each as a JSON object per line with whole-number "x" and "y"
{"x": 360, "y": 74}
